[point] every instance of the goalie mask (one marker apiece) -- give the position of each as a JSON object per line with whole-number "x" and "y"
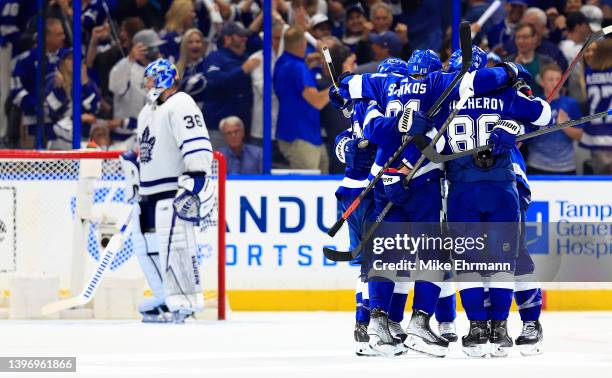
{"x": 159, "y": 76}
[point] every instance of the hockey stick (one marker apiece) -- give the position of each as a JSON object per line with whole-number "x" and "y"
{"x": 466, "y": 62}
{"x": 436, "y": 157}
{"x": 112, "y": 248}
{"x": 332, "y": 74}
{"x": 350, "y": 255}
{"x": 113, "y": 29}
{"x": 594, "y": 37}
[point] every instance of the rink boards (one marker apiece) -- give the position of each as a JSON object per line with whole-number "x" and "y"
{"x": 276, "y": 230}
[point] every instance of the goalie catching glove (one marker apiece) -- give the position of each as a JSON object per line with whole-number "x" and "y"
{"x": 414, "y": 122}
{"x": 504, "y": 136}
{"x": 194, "y": 199}
{"x": 395, "y": 190}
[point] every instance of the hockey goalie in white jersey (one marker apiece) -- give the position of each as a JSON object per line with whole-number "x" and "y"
{"x": 176, "y": 193}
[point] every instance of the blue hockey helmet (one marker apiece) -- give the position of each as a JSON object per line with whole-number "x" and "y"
{"x": 393, "y": 65}
{"x": 479, "y": 59}
{"x": 423, "y": 62}
{"x": 163, "y": 74}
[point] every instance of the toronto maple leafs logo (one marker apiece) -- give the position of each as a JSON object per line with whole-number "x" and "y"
{"x": 146, "y": 146}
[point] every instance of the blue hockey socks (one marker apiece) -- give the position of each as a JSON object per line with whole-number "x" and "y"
{"x": 446, "y": 309}
{"x": 472, "y": 300}
{"x": 425, "y": 297}
{"x": 529, "y": 303}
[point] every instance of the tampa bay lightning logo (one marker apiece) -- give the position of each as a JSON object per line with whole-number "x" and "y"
{"x": 146, "y": 146}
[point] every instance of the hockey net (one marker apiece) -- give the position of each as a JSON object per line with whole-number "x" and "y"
{"x": 38, "y": 201}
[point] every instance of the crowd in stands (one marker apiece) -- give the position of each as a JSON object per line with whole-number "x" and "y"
{"x": 217, "y": 48}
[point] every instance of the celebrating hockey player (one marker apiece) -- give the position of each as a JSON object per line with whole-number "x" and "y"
{"x": 483, "y": 189}
{"x": 394, "y": 93}
{"x": 175, "y": 157}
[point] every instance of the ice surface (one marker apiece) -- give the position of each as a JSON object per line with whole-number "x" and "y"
{"x": 295, "y": 344}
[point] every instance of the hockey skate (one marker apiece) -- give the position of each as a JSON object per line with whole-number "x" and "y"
{"x": 499, "y": 339}
{"x": 362, "y": 347}
{"x": 421, "y": 338}
{"x": 447, "y": 330}
{"x": 380, "y": 338}
{"x": 154, "y": 310}
{"x": 529, "y": 343}
{"x": 396, "y": 331}
{"x": 475, "y": 342}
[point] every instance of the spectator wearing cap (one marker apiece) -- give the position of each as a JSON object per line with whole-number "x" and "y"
{"x": 525, "y": 37}
{"x": 356, "y": 34}
{"x": 23, "y": 84}
{"x": 515, "y": 9}
{"x": 228, "y": 90}
{"x": 595, "y": 16}
{"x": 125, "y": 82}
{"x": 59, "y": 102}
{"x": 179, "y": 19}
{"x": 320, "y": 26}
{"x": 537, "y": 17}
{"x": 241, "y": 158}
{"x": 384, "y": 45}
{"x": 298, "y": 129}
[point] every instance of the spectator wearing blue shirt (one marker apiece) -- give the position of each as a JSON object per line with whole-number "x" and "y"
{"x": 228, "y": 89}
{"x": 553, "y": 153}
{"x": 241, "y": 158}
{"x": 298, "y": 129}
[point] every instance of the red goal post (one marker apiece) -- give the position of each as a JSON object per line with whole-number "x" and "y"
{"x": 37, "y": 191}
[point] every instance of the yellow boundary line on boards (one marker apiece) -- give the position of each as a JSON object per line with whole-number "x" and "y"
{"x": 344, "y": 300}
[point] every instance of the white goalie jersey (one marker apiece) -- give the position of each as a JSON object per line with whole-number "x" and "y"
{"x": 173, "y": 140}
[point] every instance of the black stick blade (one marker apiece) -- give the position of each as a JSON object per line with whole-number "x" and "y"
{"x": 335, "y": 228}
{"x": 334, "y": 255}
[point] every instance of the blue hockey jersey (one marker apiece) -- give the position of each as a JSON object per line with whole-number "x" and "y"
{"x": 598, "y": 134}
{"x": 473, "y": 125}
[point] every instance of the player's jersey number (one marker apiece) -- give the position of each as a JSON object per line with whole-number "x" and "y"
{"x": 193, "y": 121}
{"x": 597, "y": 93}
{"x": 465, "y": 133}
{"x": 395, "y": 107}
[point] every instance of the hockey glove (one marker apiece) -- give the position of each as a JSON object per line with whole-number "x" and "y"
{"x": 395, "y": 190}
{"x": 503, "y": 136}
{"x": 194, "y": 198}
{"x": 524, "y": 88}
{"x": 336, "y": 100}
{"x": 413, "y": 122}
{"x": 516, "y": 72}
{"x": 358, "y": 154}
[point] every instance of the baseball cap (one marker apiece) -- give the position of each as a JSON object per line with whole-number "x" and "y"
{"x": 355, "y": 8}
{"x": 233, "y": 28}
{"x": 595, "y": 16}
{"x": 388, "y": 40}
{"x": 318, "y": 19}
{"x": 576, "y": 18}
{"x": 148, "y": 37}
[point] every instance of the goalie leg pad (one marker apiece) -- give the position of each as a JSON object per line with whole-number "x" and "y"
{"x": 178, "y": 257}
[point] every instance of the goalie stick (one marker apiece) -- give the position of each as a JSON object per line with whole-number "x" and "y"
{"x": 437, "y": 157}
{"x": 111, "y": 249}
{"x": 466, "y": 62}
{"x": 351, "y": 255}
